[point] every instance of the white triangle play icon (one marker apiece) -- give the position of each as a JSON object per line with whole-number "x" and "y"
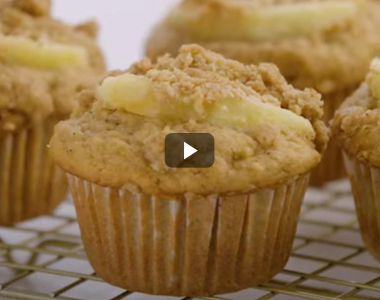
{"x": 188, "y": 150}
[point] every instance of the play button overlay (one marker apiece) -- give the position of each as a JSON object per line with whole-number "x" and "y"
{"x": 189, "y": 150}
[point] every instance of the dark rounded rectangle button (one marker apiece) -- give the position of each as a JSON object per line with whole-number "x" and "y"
{"x": 189, "y": 150}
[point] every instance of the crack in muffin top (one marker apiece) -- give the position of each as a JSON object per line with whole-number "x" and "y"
{"x": 266, "y": 132}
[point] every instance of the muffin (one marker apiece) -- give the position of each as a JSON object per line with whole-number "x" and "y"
{"x": 190, "y": 231}
{"x": 326, "y": 45}
{"x": 43, "y": 64}
{"x": 356, "y": 125}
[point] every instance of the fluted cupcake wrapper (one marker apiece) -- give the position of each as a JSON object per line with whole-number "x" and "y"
{"x": 30, "y": 184}
{"x": 192, "y": 246}
{"x": 365, "y": 183}
{"x": 332, "y": 164}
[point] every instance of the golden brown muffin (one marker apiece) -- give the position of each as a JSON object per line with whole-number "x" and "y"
{"x": 186, "y": 231}
{"x": 356, "y": 125}
{"x": 326, "y": 45}
{"x": 43, "y": 65}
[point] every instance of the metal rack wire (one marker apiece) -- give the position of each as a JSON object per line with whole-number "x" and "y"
{"x": 44, "y": 258}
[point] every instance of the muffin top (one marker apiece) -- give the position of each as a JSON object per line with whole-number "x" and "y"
{"x": 357, "y": 123}
{"x": 43, "y": 62}
{"x": 266, "y": 132}
{"x": 325, "y": 44}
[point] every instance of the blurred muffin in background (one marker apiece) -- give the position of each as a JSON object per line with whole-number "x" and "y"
{"x": 44, "y": 63}
{"x": 356, "y": 126}
{"x": 326, "y": 45}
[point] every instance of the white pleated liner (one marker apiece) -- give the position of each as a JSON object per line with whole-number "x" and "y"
{"x": 365, "y": 183}
{"x": 195, "y": 246}
{"x": 30, "y": 185}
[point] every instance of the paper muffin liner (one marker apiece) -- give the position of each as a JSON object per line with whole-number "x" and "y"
{"x": 365, "y": 183}
{"x": 332, "y": 165}
{"x": 191, "y": 246}
{"x": 30, "y": 184}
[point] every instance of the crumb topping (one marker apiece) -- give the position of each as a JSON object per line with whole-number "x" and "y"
{"x": 106, "y": 140}
{"x": 357, "y": 122}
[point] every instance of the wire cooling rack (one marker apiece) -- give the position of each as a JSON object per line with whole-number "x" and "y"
{"x": 44, "y": 258}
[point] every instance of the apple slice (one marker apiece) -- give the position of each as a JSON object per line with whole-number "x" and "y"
{"x": 251, "y": 112}
{"x": 266, "y": 22}
{"x": 44, "y": 55}
{"x": 134, "y": 94}
{"x": 128, "y": 92}
{"x": 373, "y": 78}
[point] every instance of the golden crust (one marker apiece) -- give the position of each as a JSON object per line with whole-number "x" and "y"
{"x": 326, "y": 61}
{"x": 120, "y": 149}
{"x": 38, "y": 93}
